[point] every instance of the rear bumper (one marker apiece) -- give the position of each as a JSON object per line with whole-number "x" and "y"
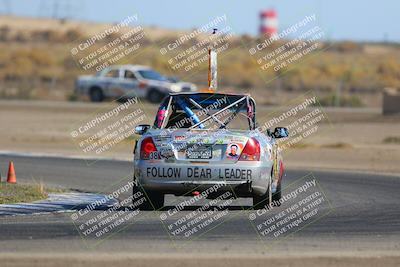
{"x": 245, "y": 179}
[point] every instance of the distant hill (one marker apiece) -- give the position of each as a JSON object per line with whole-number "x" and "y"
{"x": 36, "y": 62}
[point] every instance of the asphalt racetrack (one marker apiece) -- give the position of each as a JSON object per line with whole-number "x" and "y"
{"x": 363, "y": 216}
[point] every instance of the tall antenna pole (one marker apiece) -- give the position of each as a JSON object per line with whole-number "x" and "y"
{"x": 212, "y": 67}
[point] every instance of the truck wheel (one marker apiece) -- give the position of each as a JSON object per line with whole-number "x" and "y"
{"x": 96, "y": 95}
{"x": 153, "y": 200}
{"x": 155, "y": 96}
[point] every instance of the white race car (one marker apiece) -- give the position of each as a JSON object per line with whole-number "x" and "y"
{"x": 200, "y": 140}
{"x": 207, "y": 140}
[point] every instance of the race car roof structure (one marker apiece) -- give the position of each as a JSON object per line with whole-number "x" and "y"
{"x": 192, "y": 103}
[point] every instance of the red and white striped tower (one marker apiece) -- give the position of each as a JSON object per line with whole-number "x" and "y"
{"x": 269, "y": 23}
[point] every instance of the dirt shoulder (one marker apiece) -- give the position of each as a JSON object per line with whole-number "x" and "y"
{"x": 354, "y": 139}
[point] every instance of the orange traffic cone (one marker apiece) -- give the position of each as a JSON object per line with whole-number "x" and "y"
{"x": 11, "y": 178}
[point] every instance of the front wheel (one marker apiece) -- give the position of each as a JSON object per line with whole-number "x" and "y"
{"x": 96, "y": 95}
{"x": 155, "y": 96}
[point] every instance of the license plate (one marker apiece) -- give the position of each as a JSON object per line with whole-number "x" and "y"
{"x": 204, "y": 152}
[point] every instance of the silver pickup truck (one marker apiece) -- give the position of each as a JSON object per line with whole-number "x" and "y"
{"x": 126, "y": 81}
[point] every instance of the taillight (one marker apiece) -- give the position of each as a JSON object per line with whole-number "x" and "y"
{"x": 147, "y": 147}
{"x": 251, "y": 151}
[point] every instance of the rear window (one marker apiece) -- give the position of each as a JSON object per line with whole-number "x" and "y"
{"x": 112, "y": 73}
{"x": 208, "y": 111}
{"x": 152, "y": 75}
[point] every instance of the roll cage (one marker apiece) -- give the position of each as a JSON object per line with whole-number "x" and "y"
{"x": 184, "y": 110}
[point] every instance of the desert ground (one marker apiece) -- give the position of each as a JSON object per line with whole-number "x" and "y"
{"x": 350, "y": 139}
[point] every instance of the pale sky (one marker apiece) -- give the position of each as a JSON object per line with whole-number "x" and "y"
{"x": 341, "y": 20}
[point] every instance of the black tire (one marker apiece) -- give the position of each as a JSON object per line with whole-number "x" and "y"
{"x": 277, "y": 195}
{"x": 155, "y": 96}
{"x": 96, "y": 94}
{"x": 154, "y": 200}
{"x": 260, "y": 202}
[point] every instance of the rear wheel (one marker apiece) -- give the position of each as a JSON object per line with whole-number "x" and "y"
{"x": 156, "y": 199}
{"x": 96, "y": 95}
{"x": 278, "y": 194}
{"x": 260, "y": 202}
{"x": 153, "y": 200}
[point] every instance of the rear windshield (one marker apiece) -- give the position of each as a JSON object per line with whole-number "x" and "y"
{"x": 206, "y": 111}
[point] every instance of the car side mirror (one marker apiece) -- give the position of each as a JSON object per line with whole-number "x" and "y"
{"x": 281, "y": 132}
{"x": 141, "y": 129}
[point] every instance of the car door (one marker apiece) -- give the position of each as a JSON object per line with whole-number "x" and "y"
{"x": 130, "y": 84}
{"x": 112, "y": 85}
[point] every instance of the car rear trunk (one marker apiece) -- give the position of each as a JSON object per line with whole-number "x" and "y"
{"x": 217, "y": 146}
